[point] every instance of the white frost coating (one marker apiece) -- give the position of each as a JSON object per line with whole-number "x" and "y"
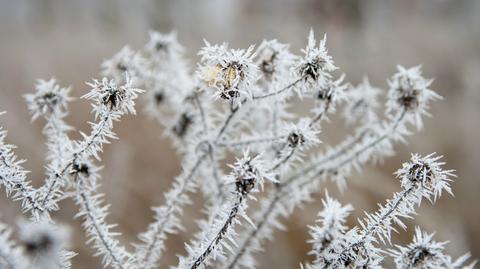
{"x": 267, "y": 106}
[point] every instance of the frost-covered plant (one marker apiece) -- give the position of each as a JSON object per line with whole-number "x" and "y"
{"x": 421, "y": 178}
{"x": 423, "y": 252}
{"x": 236, "y": 102}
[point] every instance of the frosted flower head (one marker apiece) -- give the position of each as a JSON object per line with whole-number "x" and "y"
{"x": 295, "y": 139}
{"x": 163, "y": 45}
{"x": 230, "y": 72}
{"x": 249, "y": 172}
{"x": 183, "y": 124}
{"x": 43, "y": 242}
{"x": 108, "y": 97}
{"x": 300, "y": 135}
{"x": 427, "y": 173}
{"x": 82, "y": 168}
{"x": 362, "y": 103}
{"x": 334, "y": 212}
{"x": 409, "y": 92}
{"x": 84, "y": 171}
{"x": 274, "y": 59}
{"x": 125, "y": 61}
{"x": 332, "y": 219}
{"x": 163, "y": 91}
{"x": 316, "y": 63}
{"x": 423, "y": 252}
{"x": 49, "y": 98}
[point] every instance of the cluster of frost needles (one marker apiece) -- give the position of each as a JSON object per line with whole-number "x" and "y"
{"x": 235, "y": 102}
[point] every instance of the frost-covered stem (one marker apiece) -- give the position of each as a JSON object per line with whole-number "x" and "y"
{"x": 95, "y": 140}
{"x": 341, "y": 149}
{"x": 375, "y": 142}
{"x": 55, "y": 130}
{"x": 283, "y": 160}
{"x": 319, "y": 165}
{"x": 109, "y": 103}
{"x": 247, "y": 174}
{"x": 13, "y": 177}
{"x": 221, "y": 232}
{"x": 94, "y": 224}
{"x": 226, "y": 123}
{"x": 24, "y": 190}
{"x": 248, "y": 142}
{"x": 148, "y": 253}
{"x": 211, "y": 156}
{"x": 289, "y": 86}
{"x": 275, "y": 118}
{"x": 372, "y": 228}
{"x": 201, "y": 112}
{"x": 320, "y": 116}
{"x": 311, "y": 126}
{"x": 256, "y": 233}
{"x": 235, "y": 109}
{"x": 157, "y": 232}
{"x": 213, "y": 163}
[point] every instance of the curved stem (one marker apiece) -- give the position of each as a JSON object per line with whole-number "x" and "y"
{"x": 220, "y": 234}
{"x": 258, "y": 97}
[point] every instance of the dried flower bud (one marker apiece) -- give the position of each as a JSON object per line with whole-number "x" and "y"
{"x": 295, "y": 139}
{"x": 245, "y": 184}
{"x": 427, "y": 173}
{"x": 274, "y": 59}
{"x": 81, "y": 168}
{"x": 331, "y": 90}
{"x": 163, "y": 45}
{"x": 424, "y": 252}
{"x": 43, "y": 242}
{"x": 409, "y": 92}
{"x": 108, "y": 97}
{"x": 49, "y": 98}
{"x": 126, "y": 61}
{"x": 230, "y": 72}
{"x": 182, "y": 125}
{"x": 159, "y": 96}
{"x": 249, "y": 172}
{"x": 362, "y": 103}
{"x": 300, "y": 134}
{"x": 245, "y": 176}
{"x": 316, "y": 63}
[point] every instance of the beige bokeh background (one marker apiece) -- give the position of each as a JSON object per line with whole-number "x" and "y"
{"x": 69, "y": 39}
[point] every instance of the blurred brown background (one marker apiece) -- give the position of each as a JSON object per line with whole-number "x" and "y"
{"x": 69, "y": 39}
